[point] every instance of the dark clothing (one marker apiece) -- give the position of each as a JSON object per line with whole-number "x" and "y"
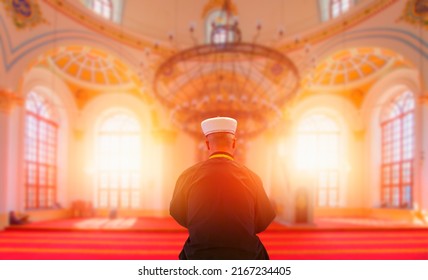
{"x": 15, "y": 220}
{"x": 223, "y": 205}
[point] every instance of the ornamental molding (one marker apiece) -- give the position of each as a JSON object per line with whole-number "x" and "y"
{"x": 25, "y": 13}
{"x": 416, "y": 13}
{"x": 8, "y": 100}
{"x": 423, "y": 100}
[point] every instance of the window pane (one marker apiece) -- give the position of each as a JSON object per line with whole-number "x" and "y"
{"x": 318, "y": 149}
{"x": 40, "y": 152}
{"x": 397, "y": 124}
{"x": 118, "y": 157}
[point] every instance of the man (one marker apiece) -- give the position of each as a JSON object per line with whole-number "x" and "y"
{"x": 221, "y": 202}
{"x": 15, "y": 219}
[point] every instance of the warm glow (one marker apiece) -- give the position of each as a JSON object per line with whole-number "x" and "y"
{"x": 317, "y": 144}
{"x": 318, "y": 152}
{"x": 118, "y": 162}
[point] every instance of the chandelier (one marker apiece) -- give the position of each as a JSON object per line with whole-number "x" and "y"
{"x": 227, "y": 77}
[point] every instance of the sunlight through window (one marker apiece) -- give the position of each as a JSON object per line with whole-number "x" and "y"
{"x": 118, "y": 156}
{"x": 318, "y": 150}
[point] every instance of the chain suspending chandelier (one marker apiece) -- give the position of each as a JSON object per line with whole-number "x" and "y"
{"x": 227, "y": 77}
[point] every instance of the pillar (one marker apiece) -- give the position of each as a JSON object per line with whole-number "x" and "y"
{"x": 7, "y": 101}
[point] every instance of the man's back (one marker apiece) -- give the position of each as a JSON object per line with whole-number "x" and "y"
{"x": 223, "y": 205}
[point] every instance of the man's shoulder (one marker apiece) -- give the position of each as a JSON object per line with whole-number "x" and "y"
{"x": 191, "y": 169}
{"x": 249, "y": 170}
{"x": 251, "y": 173}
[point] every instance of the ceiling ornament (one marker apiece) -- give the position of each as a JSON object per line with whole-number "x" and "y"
{"x": 226, "y": 77}
{"x": 8, "y": 100}
{"x": 351, "y": 72}
{"x": 416, "y": 13}
{"x": 92, "y": 68}
{"x": 25, "y": 13}
{"x": 353, "y": 67}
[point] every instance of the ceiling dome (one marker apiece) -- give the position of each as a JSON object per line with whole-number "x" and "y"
{"x": 353, "y": 67}
{"x": 91, "y": 67}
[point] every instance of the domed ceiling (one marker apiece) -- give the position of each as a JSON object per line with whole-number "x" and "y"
{"x": 347, "y": 72}
{"x": 351, "y": 72}
{"x": 91, "y": 71}
{"x": 92, "y": 67}
{"x": 353, "y": 67}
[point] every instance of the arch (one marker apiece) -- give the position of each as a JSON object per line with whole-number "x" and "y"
{"x": 91, "y": 118}
{"x": 347, "y": 120}
{"x": 56, "y": 92}
{"x": 404, "y": 43}
{"x": 397, "y": 156}
{"x": 318, "y": 149}
{"x": 376, "y": 100}
{"x": 336, "y": 106}
{"x": 41, "y": 145}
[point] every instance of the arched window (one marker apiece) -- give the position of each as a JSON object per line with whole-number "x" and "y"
{"x": 333, "y": 8}
{"x": 338, "y": 7}
{"x": 397, "y": 125}
{"x": 109, "y": 9}
{"x": 41, "y": 132}
{"x": 219, "y": 35}
{"x": 118, "y": 156}
{"x": 318, "y": 149}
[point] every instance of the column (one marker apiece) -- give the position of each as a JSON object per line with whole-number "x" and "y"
{"x": 164, "y": 141}
{"x": 421, "y": 153}
{"x": 7, "y": 101}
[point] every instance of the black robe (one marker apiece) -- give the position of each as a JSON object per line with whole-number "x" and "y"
{"x": 223, "y": 205}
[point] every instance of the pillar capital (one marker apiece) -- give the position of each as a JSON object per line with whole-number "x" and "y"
{"x": 164, "y": 135}
{"x": 423, "y": 99}
{"x": 8, "y": 100}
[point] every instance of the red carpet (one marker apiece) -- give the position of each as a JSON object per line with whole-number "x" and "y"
{"x": 40, "y": 241}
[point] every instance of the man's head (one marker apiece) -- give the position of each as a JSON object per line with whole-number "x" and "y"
{"x": 220, "y": 134}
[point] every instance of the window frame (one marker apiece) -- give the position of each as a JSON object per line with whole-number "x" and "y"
{"x": 105, "y": 5}
{"x": 41, "y": 157}
{"x": 387, "y": 183}
{"x": 127, "y": 193}
{"x": 327, "y": 7}
{"x": 319, "y": 134}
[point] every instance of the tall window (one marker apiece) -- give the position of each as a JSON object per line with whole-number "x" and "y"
{"x": 397, "y": 124}
{"x": 318, "y": 150}
{"x": 338, "y": 7}
{"x": 118, "y": 154}
{"x": 221, "y": 34}
{"x": 109, "y": 9}
{"x": 41, "y": 132}
{"x": 333, "y": 8}
{"x": 103, "y": 8}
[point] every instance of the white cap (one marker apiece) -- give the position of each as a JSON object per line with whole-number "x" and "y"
{"x": 219, "y": 124}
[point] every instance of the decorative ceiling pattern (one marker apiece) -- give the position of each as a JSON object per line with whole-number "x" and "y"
{"x": 89, "y": 72}
{"x": 90, "y": 67}
{"x": 350, "y": 73}
{"x": 138, "y": 42}
{"x": 25, "y": 13}
{"x": 353, "y": 67}
{"x": 416, "y": 13}
{"x": 349, "y": 21}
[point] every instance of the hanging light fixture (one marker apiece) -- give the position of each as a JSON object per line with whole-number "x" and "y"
{"x": 227, "y": 77}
